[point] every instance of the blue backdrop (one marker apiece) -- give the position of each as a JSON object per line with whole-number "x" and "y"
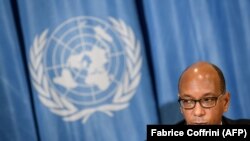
{"x": 92, "y": 70}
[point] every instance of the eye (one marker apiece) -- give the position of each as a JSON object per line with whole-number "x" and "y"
{"x": 187, "y": 101}
{"x": 208, "y": 99}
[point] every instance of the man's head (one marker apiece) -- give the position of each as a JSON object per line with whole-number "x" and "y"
{"x": 205, "y": 82}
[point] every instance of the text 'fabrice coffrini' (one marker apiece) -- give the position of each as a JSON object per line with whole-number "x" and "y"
{"x": 167, "y": 131}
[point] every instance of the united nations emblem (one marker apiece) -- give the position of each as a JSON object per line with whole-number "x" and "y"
{"x": 86, "y": 65}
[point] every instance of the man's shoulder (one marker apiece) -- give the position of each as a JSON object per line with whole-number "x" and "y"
{"x": 229, "y": 121}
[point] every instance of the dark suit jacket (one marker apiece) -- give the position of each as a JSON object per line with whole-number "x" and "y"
{"x": 226, "y": 121}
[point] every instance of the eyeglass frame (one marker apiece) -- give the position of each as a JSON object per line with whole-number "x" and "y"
{"x": 199, "y": 100}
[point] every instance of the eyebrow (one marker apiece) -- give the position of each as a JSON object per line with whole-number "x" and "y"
{"x": 205, "y": 95}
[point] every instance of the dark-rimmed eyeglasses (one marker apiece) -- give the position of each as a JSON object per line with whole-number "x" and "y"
{"x": 206, "y": 102}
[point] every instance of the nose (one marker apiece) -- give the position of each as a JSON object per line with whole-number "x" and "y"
{"x": 198, "y": 110}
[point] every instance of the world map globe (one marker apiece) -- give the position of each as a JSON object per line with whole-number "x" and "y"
{"x": 85, "y": 61}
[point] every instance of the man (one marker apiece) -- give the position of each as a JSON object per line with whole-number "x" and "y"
{"x": 203, "y": 97}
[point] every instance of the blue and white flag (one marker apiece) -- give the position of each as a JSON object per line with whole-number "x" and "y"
{"x": 102, "y": 70}
{"x": 88, "y": 70}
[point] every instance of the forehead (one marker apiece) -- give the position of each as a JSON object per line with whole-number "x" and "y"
{"x": 198, "y": 92}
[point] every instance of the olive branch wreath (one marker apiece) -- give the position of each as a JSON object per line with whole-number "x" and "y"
{"x": 60, "y": 105}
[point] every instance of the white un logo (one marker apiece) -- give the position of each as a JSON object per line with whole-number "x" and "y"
{"x": 86, "y": 65}
{"x": 85, "y": 60}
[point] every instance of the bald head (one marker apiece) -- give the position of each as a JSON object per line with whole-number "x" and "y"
{"x": 203, "y": 72}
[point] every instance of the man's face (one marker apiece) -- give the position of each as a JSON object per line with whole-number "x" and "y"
{"x": 198, "y": 86}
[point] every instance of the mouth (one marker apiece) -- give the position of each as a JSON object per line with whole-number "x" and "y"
{"x": 200, "y": 124}
{"x": 199, "y": 121}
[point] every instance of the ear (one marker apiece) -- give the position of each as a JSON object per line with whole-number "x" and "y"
{"x": 181, "y": 110}
{"x": 180, "y": 106}
{"x": 226, "y": 101}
